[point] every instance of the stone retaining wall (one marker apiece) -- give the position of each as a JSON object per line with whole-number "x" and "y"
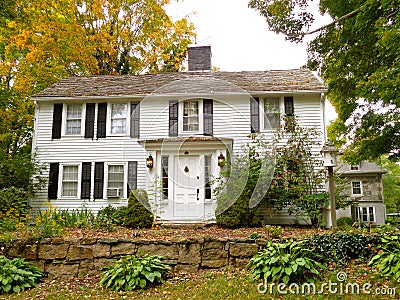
{"x": 66, "y": 258}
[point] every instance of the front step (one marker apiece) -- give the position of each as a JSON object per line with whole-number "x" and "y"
{"x": 185, "y": 224}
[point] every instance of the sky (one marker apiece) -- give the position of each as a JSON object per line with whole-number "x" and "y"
{"x": 239, "y": 37}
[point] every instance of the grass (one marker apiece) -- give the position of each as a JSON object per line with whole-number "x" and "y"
{"x": 226, "y": 284}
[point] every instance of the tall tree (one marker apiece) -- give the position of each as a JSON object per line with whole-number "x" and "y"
{"x": 358, "y": 57}
{"x": 52, "y": 39}
{"x": 43, "y": 41}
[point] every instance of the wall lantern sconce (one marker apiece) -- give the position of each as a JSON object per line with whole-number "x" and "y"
{"x": 221, "y": 160}
{"x": 149, "y": 161}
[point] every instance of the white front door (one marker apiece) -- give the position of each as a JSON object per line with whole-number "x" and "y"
{"x": 188, "y": 188}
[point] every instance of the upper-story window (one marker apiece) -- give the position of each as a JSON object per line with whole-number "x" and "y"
{"x": 355, "y": 167}
{"x": 119, "y": 115}
{"x": 356, "y": 188}
{"x": 74, "y": 119}
{"x": 271, "y": 113}
{"x": 191, "y": 115}
{"x": 70, "y": 181}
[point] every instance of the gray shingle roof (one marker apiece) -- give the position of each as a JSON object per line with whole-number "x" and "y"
{"x": 365, "y": 167}
{"x": 296, "y": 80}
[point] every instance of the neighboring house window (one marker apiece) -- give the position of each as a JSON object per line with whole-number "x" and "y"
{"x": 356, "y": 188}
{"x": 191, "y": 115}
{"x": 115, "y": 180}
{"x": 69, "y": 181}
{"x": 355, "y": 167}
{"x": 164, "y": 177}
{"x": 366, "y": 214}
{"x": 271, "y": 113}
{"x": 207, "y": 177}
{"x": 119, "y": 114}
{"x": 74, "y": 119}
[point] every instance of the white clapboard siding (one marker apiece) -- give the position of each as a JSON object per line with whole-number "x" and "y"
{"x": 231, "y": 120}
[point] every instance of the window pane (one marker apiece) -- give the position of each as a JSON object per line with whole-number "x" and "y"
{"x": 74, "y": 118}
{"x": 119, "y": 114}
{"x": 207, "y": 177}
{"x": 371, "y": 214}
{"x": 191, "y": 116}
{"x": 364, "y": 214}
{"x": 356, "y": 187}
{"x": 116, "y": 177}
{"x": 70, "y": 181}
{"x": 271, "y": 113}
{"x": 164, "y": 169}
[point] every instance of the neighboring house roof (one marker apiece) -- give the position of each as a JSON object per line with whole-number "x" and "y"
{"x": 365, "y": 167}
{"x": 296, "y": 80}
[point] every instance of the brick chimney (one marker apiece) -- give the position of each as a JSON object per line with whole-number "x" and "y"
{"x": 199, "y": 58}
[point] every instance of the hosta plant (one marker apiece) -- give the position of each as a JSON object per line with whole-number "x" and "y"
{"x": 284, "y": 262}
{"x": 17, "y": 275}
{"x": 134, "y": 272}
{"x": 388, "y": 258}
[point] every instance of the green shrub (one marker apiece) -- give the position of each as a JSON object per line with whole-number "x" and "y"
{"x": 274, "y": 232}
{"x": 17, "y": 275}
{"x": 345, "y": 223}
{"x": 138, "y": 213}
{"x": 388, "y": 258}
{"x": 14, "y": 200}
{"x": 238, "y": 214}
{"x": 133, "y": 272}
{"x": 341, "y": 247}
{"x": 106, "y": 218}
{"x": 284, "y": 262}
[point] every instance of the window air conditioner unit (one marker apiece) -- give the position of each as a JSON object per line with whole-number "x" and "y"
{"x": 113, "y": 193}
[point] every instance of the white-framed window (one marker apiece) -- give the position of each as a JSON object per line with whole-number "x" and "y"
{"x": 70, "y": 181}
{"x": 73, "y": 119}
{"x": 366, "y": 214}
{"x": 115, "y": 180}
{"x": 356, "y": 188}
{"x": 190, "y": 116}
{"x": 272, "y": 114}
{"x": 355, "y": 167}
{"x": 119, "y": 118}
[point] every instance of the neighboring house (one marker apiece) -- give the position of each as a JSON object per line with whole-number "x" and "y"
{"x": 103, "y": 136}
{"x": 366, "y": 188}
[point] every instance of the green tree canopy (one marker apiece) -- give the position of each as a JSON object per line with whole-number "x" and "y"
{"x": 358, "y": 57}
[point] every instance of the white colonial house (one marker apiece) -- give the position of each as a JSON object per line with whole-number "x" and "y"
{"x": 102, "y": 136}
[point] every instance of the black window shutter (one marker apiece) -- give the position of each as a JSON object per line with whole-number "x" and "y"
{"x": 101, "y": 120}
{"x": 86, "y": 180}
{"x": 173, "y": 118}
{"x": 53, "y": 181}
{"x": 89, "y": 122}
{"x": 132, "y": 176}
{"x": 98, "y": 180}
{"x": 57, "y": 119}
{"x": 208, "y": 116}
{"x": 254, "y": 115}
{"x": 135, "y": 119}
{"x": 289, "y": 107}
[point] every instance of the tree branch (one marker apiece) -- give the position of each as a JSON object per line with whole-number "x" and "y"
{"x": 347, "y": 16}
